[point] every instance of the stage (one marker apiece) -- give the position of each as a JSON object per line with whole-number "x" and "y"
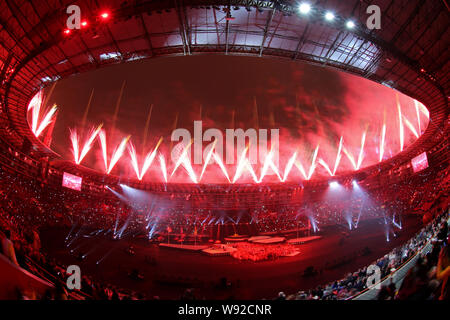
{"x": 268, "y": 240}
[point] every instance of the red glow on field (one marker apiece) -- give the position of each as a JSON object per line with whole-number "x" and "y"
{"x": 344, "y": 117}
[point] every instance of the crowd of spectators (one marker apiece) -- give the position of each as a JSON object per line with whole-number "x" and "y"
{"x": 22, "y": 213}
{"x": 427, "y": 280}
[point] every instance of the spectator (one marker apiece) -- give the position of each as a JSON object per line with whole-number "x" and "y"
{"x": 8, "y": 248}
{"x": 443, "y": 271}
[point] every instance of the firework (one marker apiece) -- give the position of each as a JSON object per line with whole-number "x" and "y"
{"x": 338, "y": 156}
{"x": 147, "y": 162}
{"x": 416, "y": 105}
{"x": 102, "y": 138}
{"x": 117, "y": 154}
{"x": 423, "y": 110}
{"x": 208, "y": 158}
{"x": 301, "y": 169}
{"x": 251, "y": 171}
{"x": 35, "y": 106}
{"x": 141, "y": 165}
{"x": 313, "y": 163}
{"x": 134, "y": 162}
{"x": 350, "y": 157}
{"x": 275, "y": 169}
{"x": 241, "y": 165}
{"x": 410, "y": 127}
{"x": 149, "y": 158}
{"x": 383, "y": 137}
{"x": 325, "y": 165}
{"x": 88, "y": 144}
{"x": 46, "y": 121}
{"x": 182, "y": 156}
{"x": 187, "y": 165}
{"x": 221, "y": 165}
{"x": 37, "y": 127}
{"x": 268, "y": 163}
{"x": 162, "y": 164}
{"x": 75, "y": 149}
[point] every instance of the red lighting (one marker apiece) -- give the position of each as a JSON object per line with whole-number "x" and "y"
{"x": 67, "y": 31}
{"x": 84, "y": 23}
{"x": 104, "y": 15}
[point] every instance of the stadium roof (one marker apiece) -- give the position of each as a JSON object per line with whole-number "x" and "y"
{"x": 409, "y": 53}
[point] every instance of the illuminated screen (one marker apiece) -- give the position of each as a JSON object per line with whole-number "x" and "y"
{"x": 71, "y": 181}
{"x": 420, "y": 162}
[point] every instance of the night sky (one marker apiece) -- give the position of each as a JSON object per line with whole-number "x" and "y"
{"x": 310, "y": 104}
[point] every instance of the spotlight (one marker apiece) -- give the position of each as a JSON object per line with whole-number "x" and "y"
{"x": 84, "y": 23}
{"x": 350, "y": 24}
{"x": 334, "y": 184}
{"x": 67, "y": 31}
{"x": 305, "y": 8}
{"x": 354, "y": 183}
{"x": 104, "y": 15}
{"x": 329, "y": 16}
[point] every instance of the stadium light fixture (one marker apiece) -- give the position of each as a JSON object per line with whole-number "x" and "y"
{"x": 84, "y": 23}
{"x": 67, "y": 31}
{"x": 304, "y": 8}
{"x": 350, "y": 24}
{"x": 329, "y": 16}
{"x": 104, "y": 15}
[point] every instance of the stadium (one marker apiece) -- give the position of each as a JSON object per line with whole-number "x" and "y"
{"x": 248, "y": 150}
